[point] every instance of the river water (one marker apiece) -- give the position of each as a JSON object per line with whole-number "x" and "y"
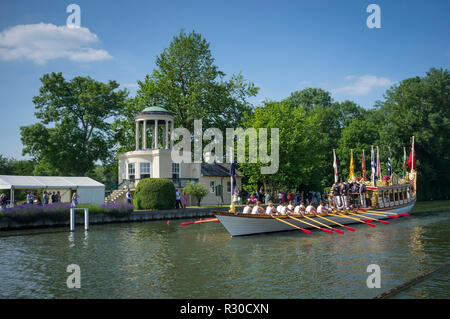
{"x": 156, "y": 260}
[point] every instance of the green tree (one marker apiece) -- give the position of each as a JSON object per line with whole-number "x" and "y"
{"x": 420, "y": 107}
{"x": 187, "y": 83}
{"x": 74, "y": 130}
{"x": 196, "y": 190}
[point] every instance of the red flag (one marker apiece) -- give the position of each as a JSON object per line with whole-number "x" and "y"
{"x": 412, "y": 159}
{"x": 363, "y": 167}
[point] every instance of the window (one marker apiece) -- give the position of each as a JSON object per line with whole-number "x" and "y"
{"x": 131, "y": 170}
{"x": 176, "y": 170}
{"x": 228, "y": 187}
{"x": 212, "y": 185}
{"x": 145, "y": 169}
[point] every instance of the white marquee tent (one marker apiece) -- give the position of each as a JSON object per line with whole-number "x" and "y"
{"x": 88, "y": 190}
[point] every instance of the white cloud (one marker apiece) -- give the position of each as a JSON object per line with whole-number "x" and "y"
{"x": 45, "y": 41}
{"x": 363, "y": 84}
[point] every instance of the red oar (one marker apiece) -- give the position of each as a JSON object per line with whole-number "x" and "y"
{"x": 301, "y": 221}
{"x": 302, "y": 229}
{"x": 357, "y": 219}
{"x": 329, "y": 227}
{"x": 331, "y": 221}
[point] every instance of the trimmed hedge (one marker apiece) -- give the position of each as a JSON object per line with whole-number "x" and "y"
{"x": 155, "y": 193}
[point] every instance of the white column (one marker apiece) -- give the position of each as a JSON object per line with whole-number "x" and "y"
{"x": 156, "y": 134}
{"x": 144, "y": 135}
{"x": 167, "y": 135}
{"x": 171, "y": 132}
{"x": 137, "y": 135}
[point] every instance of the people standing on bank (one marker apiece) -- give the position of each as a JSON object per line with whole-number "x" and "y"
{"x": 266, "y": 198}
{"x": 45, "y": 198}
{"x": 3, "y": 202}
{"x": 178, "y": 199}
{"x": 129, "y": 197}
{"x": 58, "y": 197}
{"x": 74, "y": 200}
{"x": 185, "y": 199}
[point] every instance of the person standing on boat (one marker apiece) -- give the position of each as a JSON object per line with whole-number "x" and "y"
{"x": 345, "y": 191}
{"x": 337, "y": 195}
{"x": 362, "y": 193}
{"x": 355, "y": 194}
{"x": 74, "y": 200}
{"x": 270, "y": 209}
{"x": 247, "y": 208}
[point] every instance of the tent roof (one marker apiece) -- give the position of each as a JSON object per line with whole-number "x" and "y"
{"x": 53, "y": 182}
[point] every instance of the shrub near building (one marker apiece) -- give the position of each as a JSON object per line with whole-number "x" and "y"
{"x": 154, "y": 193}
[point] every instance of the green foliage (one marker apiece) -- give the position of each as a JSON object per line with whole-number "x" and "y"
{"x": 154, "y": 193}
{"x": 79, "y": 133}
{"x": 187, "y": 83}
{"x": 196, "y": 190}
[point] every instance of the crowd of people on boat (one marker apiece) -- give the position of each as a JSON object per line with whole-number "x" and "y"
{"x": 342, "y": 196}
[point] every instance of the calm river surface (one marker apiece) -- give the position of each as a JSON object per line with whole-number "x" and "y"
{"x": 156, "y": 260}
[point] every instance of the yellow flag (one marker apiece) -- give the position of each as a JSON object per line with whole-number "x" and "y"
{"x": 351, "y": 165}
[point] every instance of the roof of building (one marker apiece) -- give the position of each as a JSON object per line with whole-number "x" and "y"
{"x": 215, "y": 169}
{"x": 155, "y": 110}
{"x": 52, "y": 182}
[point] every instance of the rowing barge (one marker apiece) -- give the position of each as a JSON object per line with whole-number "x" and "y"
{"x": 393, "y": 197}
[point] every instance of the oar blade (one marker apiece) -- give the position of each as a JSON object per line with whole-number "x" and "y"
{"x": 338, "y": 231}
{"x": 366, "y": 220}
{"x": 307, "y": 231}
{"x": 370, "y": 224}
{"x": 393, "y": 216}
{"x": 349, "y": 228}
{"x": 403, "y": 214}
{"x": 384, "y": 222}
{"x": 327, "y": 230}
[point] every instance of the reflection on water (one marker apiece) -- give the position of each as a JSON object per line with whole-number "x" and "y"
{"x": 156, "y": 260}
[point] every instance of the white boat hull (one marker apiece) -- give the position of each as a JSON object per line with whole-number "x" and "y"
{"x": 241, "y": 225}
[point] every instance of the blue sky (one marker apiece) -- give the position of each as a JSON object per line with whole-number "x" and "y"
{"x": 281, "y": 46}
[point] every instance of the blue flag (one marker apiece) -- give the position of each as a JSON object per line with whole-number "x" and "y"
{"x": 389, "y": 164}
{"x": 233, "y": 176}
{"x": 374, "y": 169}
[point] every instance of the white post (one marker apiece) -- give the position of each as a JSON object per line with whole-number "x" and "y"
{"x": 137, "y": 135}
{"x": 144, "y": 135}
{"x": 86, "y": 218}
{"x": 171, "y": 132}
{"x": 167, "y": 135}
{"x": 72, "y": 219}
{"x": 156, "y": 134}
{"x": 11, "y": 200}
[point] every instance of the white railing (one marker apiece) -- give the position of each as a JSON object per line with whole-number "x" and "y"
{"x": 72, "y": 218}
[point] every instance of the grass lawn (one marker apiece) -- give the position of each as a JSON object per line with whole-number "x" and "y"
{"x": 432, "y": 206}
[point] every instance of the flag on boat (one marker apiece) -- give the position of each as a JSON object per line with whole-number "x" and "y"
{"x": 351, "y": 165}
{"x": 373, "y": 176}
{"x": 389, "y": 163}
{"x": 363, "y": 167}
{"x": 233, "y": 177}
{"x": 378, "y": 163}
{"x": 404, "y": 162}
{"x": 412, "y": 158}
{"x": 336, "y": 178}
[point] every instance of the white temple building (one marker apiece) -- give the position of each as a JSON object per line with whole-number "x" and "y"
{"x": 152, "y": 159}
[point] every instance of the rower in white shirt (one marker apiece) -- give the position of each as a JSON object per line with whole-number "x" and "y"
{"x": 257, "y": 209}
{"x": 248, "y": 208}
{"x": 310, "y": 210}
{"x": 290, "y": 207}
{"x": 279, "y": 208}
{"x": 321, "y": 209}
{"x": 271, "y": 209}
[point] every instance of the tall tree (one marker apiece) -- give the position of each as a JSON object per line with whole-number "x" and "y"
{"x": 186, "y": 82}
{"x": 74, "y": 130}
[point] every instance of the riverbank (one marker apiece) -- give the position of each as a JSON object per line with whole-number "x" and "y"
{"x": 435, "y": 206}
{"x": 61, "y": 219}
{"x": 100, "y": 218}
